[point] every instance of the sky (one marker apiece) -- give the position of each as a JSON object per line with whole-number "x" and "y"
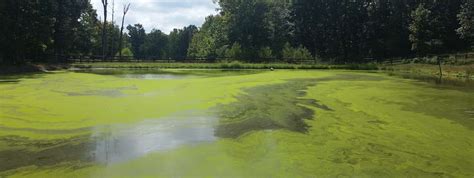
{"x": 164, "y": 15}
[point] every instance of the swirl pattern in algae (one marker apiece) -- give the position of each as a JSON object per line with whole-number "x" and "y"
{"x": 255, "y": 124}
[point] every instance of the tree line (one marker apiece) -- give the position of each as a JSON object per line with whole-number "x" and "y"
{"x": 340, "y": 31}
{"x": 48, "y": 31}
{"x": 248, "y": 30}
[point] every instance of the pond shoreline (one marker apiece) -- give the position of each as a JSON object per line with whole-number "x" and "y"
{"x": 461, "y": 72}
{"x": 31, "y": 68}
{"x": 225, "y": 65}
{"x": 454, "y": 72}
{"x": 458, "y": 72}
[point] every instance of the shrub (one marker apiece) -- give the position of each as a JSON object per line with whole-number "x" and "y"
{"x": 126, "y": 52}
{"x": 300, "y": 53}
{"x": 235, "y": 65}
{"x": 303, "y": 53}
{"x": 221, "y": 51}
{"x": 433, "y": 60}
{"x": 287, "y": 51}
{"x": 265, "y": 53}
{"x": 234, "y": 52}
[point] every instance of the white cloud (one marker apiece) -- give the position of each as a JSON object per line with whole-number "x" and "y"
{"x": 164, "y": 15}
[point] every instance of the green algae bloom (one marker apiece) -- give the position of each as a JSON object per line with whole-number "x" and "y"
{"x": 197, "y": 123}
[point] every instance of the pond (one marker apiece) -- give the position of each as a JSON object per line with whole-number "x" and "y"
{"x": 212, "y": 123}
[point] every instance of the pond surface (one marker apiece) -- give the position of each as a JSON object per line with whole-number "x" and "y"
{"x": 199, "y": 123}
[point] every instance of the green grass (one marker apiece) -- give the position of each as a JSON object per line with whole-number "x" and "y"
{"x": 449, "y": 71}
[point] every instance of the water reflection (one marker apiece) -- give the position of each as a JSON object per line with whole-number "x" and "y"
{"x": 121, "y": 143}
{"x": 170, "y": 74}
{"x": 154, "y": 76}
{"x": 107, "y": 144}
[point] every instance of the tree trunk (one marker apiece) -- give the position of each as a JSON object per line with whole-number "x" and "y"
{"x": 59, "y": 34}
{"x": 104, "y": 33}
{"x": 112, "y": 45}
{"x": 125, "y": 10}
{"x": 121, "y": 37}
{"x": 440, "y": 69}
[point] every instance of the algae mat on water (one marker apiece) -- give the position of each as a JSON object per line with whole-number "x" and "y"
{"x": 231, "y": 124}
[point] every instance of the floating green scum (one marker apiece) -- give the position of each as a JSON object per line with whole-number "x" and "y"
{"x": 199, "y": 123}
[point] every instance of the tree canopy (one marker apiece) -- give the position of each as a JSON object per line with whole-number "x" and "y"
{"x": 250, "y": 30}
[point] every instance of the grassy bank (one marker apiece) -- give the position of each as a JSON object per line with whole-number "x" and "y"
{"x": 449, "y": 71}
{"x": 231, "y": 65}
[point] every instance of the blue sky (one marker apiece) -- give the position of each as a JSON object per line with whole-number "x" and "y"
{"x": 164, "y": 15}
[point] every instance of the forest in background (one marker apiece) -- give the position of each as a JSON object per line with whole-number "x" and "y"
{"x": 344, "y": 31}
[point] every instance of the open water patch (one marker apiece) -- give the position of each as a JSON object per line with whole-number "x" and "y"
{"x": 107, "y": 144}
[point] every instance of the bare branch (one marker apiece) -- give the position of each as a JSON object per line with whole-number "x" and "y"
{"x": 126, "y": 7}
